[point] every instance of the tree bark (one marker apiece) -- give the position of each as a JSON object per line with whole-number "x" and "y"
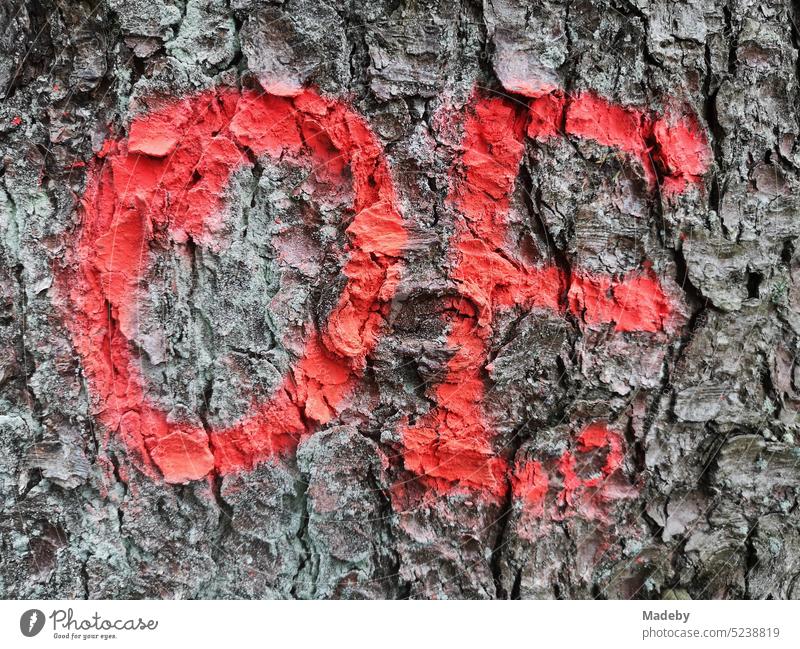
{"x": 703, "y": 500}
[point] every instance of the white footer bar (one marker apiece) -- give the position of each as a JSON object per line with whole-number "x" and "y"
{"x": 379, "y": 625}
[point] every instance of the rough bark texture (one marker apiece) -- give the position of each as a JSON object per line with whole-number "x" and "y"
{"x": 703, "y": 502}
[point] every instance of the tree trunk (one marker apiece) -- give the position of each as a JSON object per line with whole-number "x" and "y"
{"x": 522, "y": 274}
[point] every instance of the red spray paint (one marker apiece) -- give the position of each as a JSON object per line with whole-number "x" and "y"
{"x": 570, "y": 492}
{"x": 451, "y": 447}
{"x": 164, "y": 184}
{"x": 671, "y": 148}
{"x": 530, "y": 485}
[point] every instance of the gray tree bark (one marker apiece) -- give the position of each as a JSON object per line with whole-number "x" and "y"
{"x": 710, "y": 477}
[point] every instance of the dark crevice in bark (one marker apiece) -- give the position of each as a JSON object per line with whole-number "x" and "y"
{"x": 404, "y": 591}
{"x": 671, "y": 366}
{"x": 533, "y": 201}
{"x": 123, "y": 536}
{"x": 717, "y": 185}
{"x": 225, "y": 524}
{"x": 298, "y": 589}
{"x": 787, "y": 252}
{"x": 629, "y": 10}
{"x": 28, "y": 361}
{"x": 771, "y": 393}
{"x": 563, "y": 576}
{"x": 637, "y": 452}
{"x": 511, "y": 451}
{"x": 655, "y": 528}
{"x": 256, "y": 171}
{"x": 517, "y": 588}
{"x": 694, "y": 296}
{"x": 751, "y": 559}
{"x": 385, "y": 514}
{"x": 34, "y": 478}
{"x": 85, "y": 581}
{"x": 502, "y": 524}
{"x": 713, "y": 442}
{"x": 732, "y": 38}
{"x": 672, "y": 361}
{"x": 90, "y": 424}
{"x": 115, "y": 465}
{"x": 238, "y": 60}
{"x": 486, "y": 54}
{"x": 569, "y": 63}
{"x": 207, "y": 386}
{"x": 225, "y": 509}
{"x": 359, "y": 58}
{"x": 754, "y": 280}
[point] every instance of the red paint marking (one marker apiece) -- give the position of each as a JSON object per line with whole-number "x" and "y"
{"x": 530, "y": 484}
{"x": 671, "y": 147}
{"x": 164, "y": 184}
{"x": 546, "y": 116}
{"x": 16, "y": 120}
{"x": 583, "y": 486}
{"x": 452, "y": 447}
{"x": 589, "y": 495}
{"x": 635, "y": 303}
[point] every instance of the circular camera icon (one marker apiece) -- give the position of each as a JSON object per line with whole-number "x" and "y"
{"x": 31, "y": 622}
